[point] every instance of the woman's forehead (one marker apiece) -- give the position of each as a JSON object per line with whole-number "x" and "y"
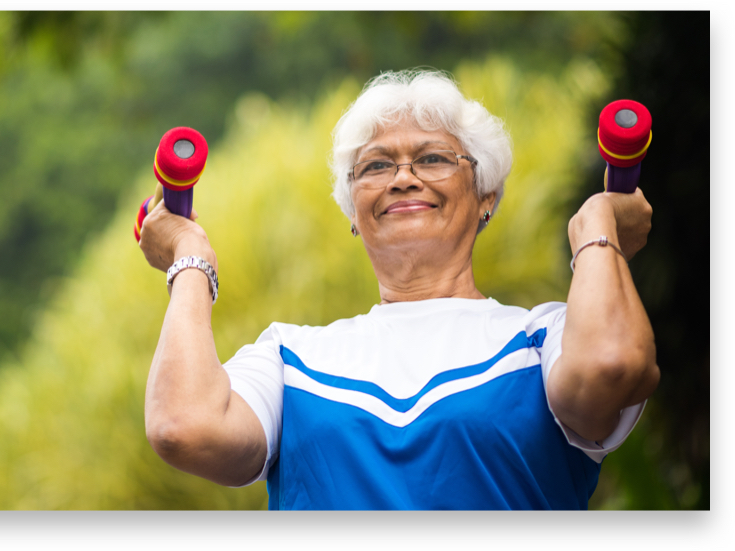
{"x": 407, "y": 138}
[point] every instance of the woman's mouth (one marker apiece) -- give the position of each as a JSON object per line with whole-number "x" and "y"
{"x": 408, "y": 206}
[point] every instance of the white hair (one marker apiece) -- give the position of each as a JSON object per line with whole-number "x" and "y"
{"x": 432, "y": 100}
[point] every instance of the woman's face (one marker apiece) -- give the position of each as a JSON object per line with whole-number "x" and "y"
{"x": 410, "y": 213}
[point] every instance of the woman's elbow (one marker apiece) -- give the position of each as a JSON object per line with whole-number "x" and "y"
{"x": 632, "y": 371}
{"x": 644, "y": 379}
{"x": 170, "y": 438}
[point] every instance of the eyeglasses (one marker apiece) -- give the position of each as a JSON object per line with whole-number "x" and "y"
{"x": 430, "y": 167}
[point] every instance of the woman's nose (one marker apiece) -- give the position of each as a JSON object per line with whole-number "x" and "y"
{"x": 405, "y": 179}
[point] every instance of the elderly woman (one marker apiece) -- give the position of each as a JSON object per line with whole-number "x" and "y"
{"x": 438, "y": 398}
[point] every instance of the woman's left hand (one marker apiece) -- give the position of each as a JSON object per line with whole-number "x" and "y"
{"x": 627, "y": 214}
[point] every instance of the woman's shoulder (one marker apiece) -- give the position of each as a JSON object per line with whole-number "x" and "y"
{"x": 294, "y": 330}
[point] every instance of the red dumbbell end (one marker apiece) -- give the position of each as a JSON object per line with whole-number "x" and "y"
{"x": 142, "y": 213}
{"x": 180, "y": 158}
{"x": 624, "y": 133}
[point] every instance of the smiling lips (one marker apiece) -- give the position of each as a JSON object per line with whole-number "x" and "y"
{"x": 408, "y": 206}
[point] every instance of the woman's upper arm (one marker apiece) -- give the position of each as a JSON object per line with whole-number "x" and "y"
{"x": 588, "y": 396}
{"x": 232, "y": 440}
{"x": 582, "y": 400}
{"x": 256, "y": 379}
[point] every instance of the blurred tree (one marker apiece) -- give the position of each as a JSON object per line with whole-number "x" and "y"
{"x": 63, "y": 37}
{"x": 87, "y": 95}
{"x": 666, "y": 67}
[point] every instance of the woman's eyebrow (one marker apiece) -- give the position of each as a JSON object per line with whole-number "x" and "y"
{"x": 432, "y": 142}
{"x": 378, "y": 148}
{"x": 416, "y": 147}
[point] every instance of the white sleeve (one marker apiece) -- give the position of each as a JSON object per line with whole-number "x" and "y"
{"x": 256, "y": 374}
{"x": 552, "y": 317}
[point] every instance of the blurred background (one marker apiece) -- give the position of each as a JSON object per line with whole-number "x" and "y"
{"x": 86, "y": 96}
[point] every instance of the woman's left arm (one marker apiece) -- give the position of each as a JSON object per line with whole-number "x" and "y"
{"x": 608, "y": 359}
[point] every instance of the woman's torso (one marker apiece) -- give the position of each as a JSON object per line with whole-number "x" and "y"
{"x": 438, "y": 404}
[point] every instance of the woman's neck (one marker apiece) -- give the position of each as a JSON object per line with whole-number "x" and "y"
{"x": 418, "y": 278}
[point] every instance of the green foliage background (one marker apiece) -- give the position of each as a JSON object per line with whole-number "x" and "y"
{"x": 84, "y": 99}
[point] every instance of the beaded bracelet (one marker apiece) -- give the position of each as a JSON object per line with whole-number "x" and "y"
{"x": 603, "y": 242}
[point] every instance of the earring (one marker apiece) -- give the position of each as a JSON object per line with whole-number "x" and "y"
{"x": 486, "y": 217}
{"x": 353, "y": 229}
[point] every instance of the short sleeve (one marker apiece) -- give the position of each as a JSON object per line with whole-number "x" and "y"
{"x": 256, "y": 374}
{"x": 551, "y": 317}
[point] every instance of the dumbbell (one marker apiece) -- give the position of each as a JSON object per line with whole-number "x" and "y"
{"x": 178, "y": 164}
{"x": 623, "y": 138}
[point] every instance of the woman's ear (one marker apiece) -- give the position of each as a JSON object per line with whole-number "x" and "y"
{"x": 487, "y": 203}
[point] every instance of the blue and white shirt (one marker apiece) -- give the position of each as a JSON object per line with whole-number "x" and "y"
{"x": 435, "y": 404}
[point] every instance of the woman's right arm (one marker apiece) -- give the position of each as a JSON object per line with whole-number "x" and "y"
{"x": 193, "y": 419}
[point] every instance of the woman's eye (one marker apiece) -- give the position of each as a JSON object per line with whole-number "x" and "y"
{"x": 376, "y": 166}
{"x": 435, "y": 158}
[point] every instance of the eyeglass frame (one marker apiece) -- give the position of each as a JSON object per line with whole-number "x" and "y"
{"x": 470, "y": 158}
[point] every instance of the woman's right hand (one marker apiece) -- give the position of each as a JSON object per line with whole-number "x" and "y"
{"x": 166, "y": 237}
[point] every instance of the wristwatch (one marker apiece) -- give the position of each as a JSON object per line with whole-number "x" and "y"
{"x": 199, "y": 264}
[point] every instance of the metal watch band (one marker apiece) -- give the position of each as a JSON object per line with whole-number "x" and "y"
{"x": 193, "y": 262}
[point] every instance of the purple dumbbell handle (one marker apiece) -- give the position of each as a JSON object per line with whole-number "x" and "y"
{"x": 623, "y": 179}
{"x": 179, "y": 202}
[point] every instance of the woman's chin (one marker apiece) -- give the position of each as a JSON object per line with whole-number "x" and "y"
{"x": 411, "y": 230}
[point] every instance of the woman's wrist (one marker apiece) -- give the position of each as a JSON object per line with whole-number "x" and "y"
{"x": 594, "y": 219}
{"x": 196, "y": 247}
{"x": 189, "y": 263}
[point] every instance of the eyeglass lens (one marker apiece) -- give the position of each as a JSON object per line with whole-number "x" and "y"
{"x": 436, "y": 165}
